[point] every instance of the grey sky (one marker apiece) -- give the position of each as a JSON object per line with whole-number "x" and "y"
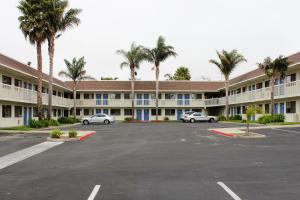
{"x": 196, "y": 28}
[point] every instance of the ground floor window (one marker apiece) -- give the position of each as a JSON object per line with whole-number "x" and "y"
{"x": 115, "y": 112}
{"x": 153, "y": 112}
{"x": 6, "y": 111}
{"x": 267, "y": 108}
{"x": 86, "y": 111}
{"x": 170, "y": 112}
{"x": 78, "y": 111}
{"x": 59, "y": 113}
{"x": 238, "y": 110}
{"x": 54, "y": 112}
{"x": 244, "y": 109}
{"x": 18, "y": 111}
{"x": 291, "y": 107}
{"x": 34, "y": 112}
{"x": 127, "y": 112}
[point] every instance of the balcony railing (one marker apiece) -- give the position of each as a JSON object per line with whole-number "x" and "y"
{"x": 18, "y": 94}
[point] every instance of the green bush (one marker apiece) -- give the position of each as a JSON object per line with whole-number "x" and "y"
{"x": 38, "y": 123}
{"x": 72, "y": 134}
{"x": 244, "y": 121}
{"x": 55, "y": 133}
{"x": 221, "y": 118}
{"x": 235, "y": 117}
{"x": 68, "y": 120}
{"x": 166, "y": 119}
{"x": 127, "y": 119}
{"x": 53, "y": 122}
{"x": 266, "y": 119}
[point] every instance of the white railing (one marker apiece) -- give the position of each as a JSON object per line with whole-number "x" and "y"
{"x": 17, "y": 94}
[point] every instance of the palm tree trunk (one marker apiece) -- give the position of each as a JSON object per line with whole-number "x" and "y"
{"x": 40, "y": 81}
{"x": 51, "y": 55}
{"x": 132, "y": 93}
{"x": 74, "y": 100}
{"x": 156, "y": 91}
{"x": 272, "y": 95}
{"x": 227, "y": 99}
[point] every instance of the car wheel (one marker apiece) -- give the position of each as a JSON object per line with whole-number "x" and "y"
{"x": 86, "y": 122}
{"x": 192, "y": 120}
{"x": 106, "y": 121}
{"x": 212, "y": 120}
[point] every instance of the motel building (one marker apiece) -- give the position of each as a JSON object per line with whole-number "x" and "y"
{"x": 18, "y": 96}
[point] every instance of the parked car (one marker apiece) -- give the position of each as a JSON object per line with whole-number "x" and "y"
{"x": 186, "y": 114}
{"x": 196, "y": 116}
{"x": 98, "y": 118}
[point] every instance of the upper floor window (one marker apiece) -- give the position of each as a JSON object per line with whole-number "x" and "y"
{"x": 18, "y": 83}
{"x": 153, "y": 96}
{"x": 170, "y": 96}
{"x": 244, "y": 89}
{"x": 115, "y": 96}
{"x": 77, "y": 95}
{"x": 6, "y": 80}
{"x": 238, "y": 91}
{"x": 29, "y": 86}
{"x": 197, "y": 96}
{"x": 86, "y": 95}
{"x": 35, "y": 87}
{"x": 253, "y": 87}
{"x": 258, "y": 85}
{"x": 249, "y": 88}
{"x": 127, "y": 96}
{"x": 54, "y": 92}
{"x": 25, "y": 85}
{"x": 291, "y": 78}
{"x": 267, "y": 84}
{"x": 59, "y": 94}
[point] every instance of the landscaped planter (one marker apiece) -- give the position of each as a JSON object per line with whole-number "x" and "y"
{"x": 81, "y": 135}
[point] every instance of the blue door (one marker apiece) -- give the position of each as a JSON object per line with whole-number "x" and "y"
{"x": 275, "y": 108}
{"x": 281, "y": 108}
{"x": 98, "y": 99}
{"x": 29, "y": 114}
{"x": 105, "y": 111}
{"x": 98, "y": 111}
{"x": 179, "y": 99}
{"x": 139, "y": 114}
{"x": 105, "y": 99}
{"x": 25, "y": 116}
{"x": 146, "y": 115}
{"x": 186, "y": 99}
{"x": 139, "y": 99}
{"x": 146, "y": 99}
{"x": 179, "y": 113}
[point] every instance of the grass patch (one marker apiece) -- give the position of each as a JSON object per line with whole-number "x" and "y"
{"x": 284, "y": 123}
{"x": 240, "y": 121}
{"x": 18, "y": 128}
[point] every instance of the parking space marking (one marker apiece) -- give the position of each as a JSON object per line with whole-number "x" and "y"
{"x": 10, "y": 159}
{"x": 229, "y": 191}
{"x": 94, "y": 192}
{"x": 285, "y": 130}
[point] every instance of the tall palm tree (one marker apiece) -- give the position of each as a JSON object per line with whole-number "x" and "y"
{"x": 157, "y": 55}
{"x": 58, "y": 20}
{"x": 227, "y": 62}
{"x": 133, "y": 59}
{"x": 273, "y": 69}
{"x": 169, "y": 77}
{"x": 182, "y": 73}
{"x": 76, "y": 72}
{"x": 32, "y": 24}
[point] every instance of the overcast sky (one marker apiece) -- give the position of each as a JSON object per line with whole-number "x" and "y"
{"x": 196, "y": 28}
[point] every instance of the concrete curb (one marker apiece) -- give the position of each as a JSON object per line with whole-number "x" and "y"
{"x": 67, "y": 139}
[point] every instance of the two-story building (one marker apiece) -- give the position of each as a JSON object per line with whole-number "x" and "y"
{"x": 18, "y": 96}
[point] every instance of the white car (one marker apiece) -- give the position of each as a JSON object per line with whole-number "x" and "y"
{"x": 194, "y": 117}
{"x": 185, "y": 114}
{"x": 98, "y": 118}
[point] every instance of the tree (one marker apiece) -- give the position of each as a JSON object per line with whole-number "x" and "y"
{"x": 76, "y": 72}
{"x": 249, "y": 113}
{"x": 109, "y": 78}
{"x": 133, "y": 58}
{"x": 182, "y": 73}
{"x": 32, "y": 25}
{"x": 273, "y": 69}
{"x": 227, "y": 62}
{"x": 157, "y": 55}
{"x": 58, "y": 20}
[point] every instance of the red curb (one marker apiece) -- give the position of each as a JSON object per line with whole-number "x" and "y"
{"x": 222, "y": 133}
{"x": 86, "y": 135}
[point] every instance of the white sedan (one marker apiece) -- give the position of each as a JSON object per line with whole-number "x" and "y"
{"x": 199, "y": 117}
{"x": 98, "y": 118}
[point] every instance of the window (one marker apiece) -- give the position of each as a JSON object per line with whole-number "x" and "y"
{"x": 127, "y": 112}
{"x": 54, "y": 111}
{"x": 267, "y": 108}
{"x": 115, "y": 112}
{"x": 6, "y": 80}
{"x": 127, "y": 96}
{"x": 267, "y": 84}
{"x": 244, "y": 89}
{"x": 101, "y": 115}
{"x": 291, "y": 78}
{"x": 253, "y": 87}
{"x": 29, "y": 86}
{"x": 6, "y": 111}
{"x": 170, "y": 112}
{"x": 291, "y": 107}
{"x": 197, "y": 114}
{"x": 169, "y": 96}
{"x": 59, "y": 113}
{"x": 153, "y": 96}
{"x": 86, "y": 95}
{"x": 54, "y": 92}
{"x": 77, "y": 95}
{"x": 115, "y": 96}
{"x": 18, "y": 111}
{"x": 198, "y": 96}
{"x": 43, "y": 90}
{"x": 35, "y": 87}
{"x": 258, "y": 85}
{"x": 34, "y": 112}
{"x": 86, "y": 111}
{"x": 18, "y": 83}
{"x": 78, "y": 111}
{"x": 197, "y": 110}
{"x": 238, "y": 110}
{"x": 59, "y": 94}
{"x": 244, "y": 109}
{"x": 238, "y": 91}
{"x": 249, "y": 88}
{"x": 153, "y": 112}
{"x": 25, "y": 85}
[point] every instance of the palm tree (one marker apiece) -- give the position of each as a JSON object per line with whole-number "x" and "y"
{"x": 58, "y": 21}
{"x": 227, "y": 62}
{"x": 272, "y": 69}
{"x": 169, "y": 77}
{"x": 182, "y": 73}
{"x": 109, "y": 78}
{"x": 32, "y": 25}
{"x": 157, "y": 55}
{"x": 133, "y": 58}
{"x": 76, "y": 72}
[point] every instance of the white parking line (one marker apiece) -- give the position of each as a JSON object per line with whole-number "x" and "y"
{"x": 23, "y": 154}
{"x": 229, "y": 191}
{"x": 94, "y": 192}
{"x": 284, "y": 130}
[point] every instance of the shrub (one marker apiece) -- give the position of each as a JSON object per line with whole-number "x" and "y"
{"x": 128, "y": 119}
{"x": 166, "y": 119}
{"x": 55, "y": 133}
{"x": 221, "y": 118}
{"x": 244, "y": 121}
{"x": 53, "y": 122}
{"x": 235, "y": 117}
{"x": 266, "y": 119}
{"x": 38, "y": 123}
{"x": 72, "y": 134}
{"x": 68, "y": 120}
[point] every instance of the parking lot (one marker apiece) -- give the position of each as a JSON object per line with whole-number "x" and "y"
{"x": 157, "y": 161}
